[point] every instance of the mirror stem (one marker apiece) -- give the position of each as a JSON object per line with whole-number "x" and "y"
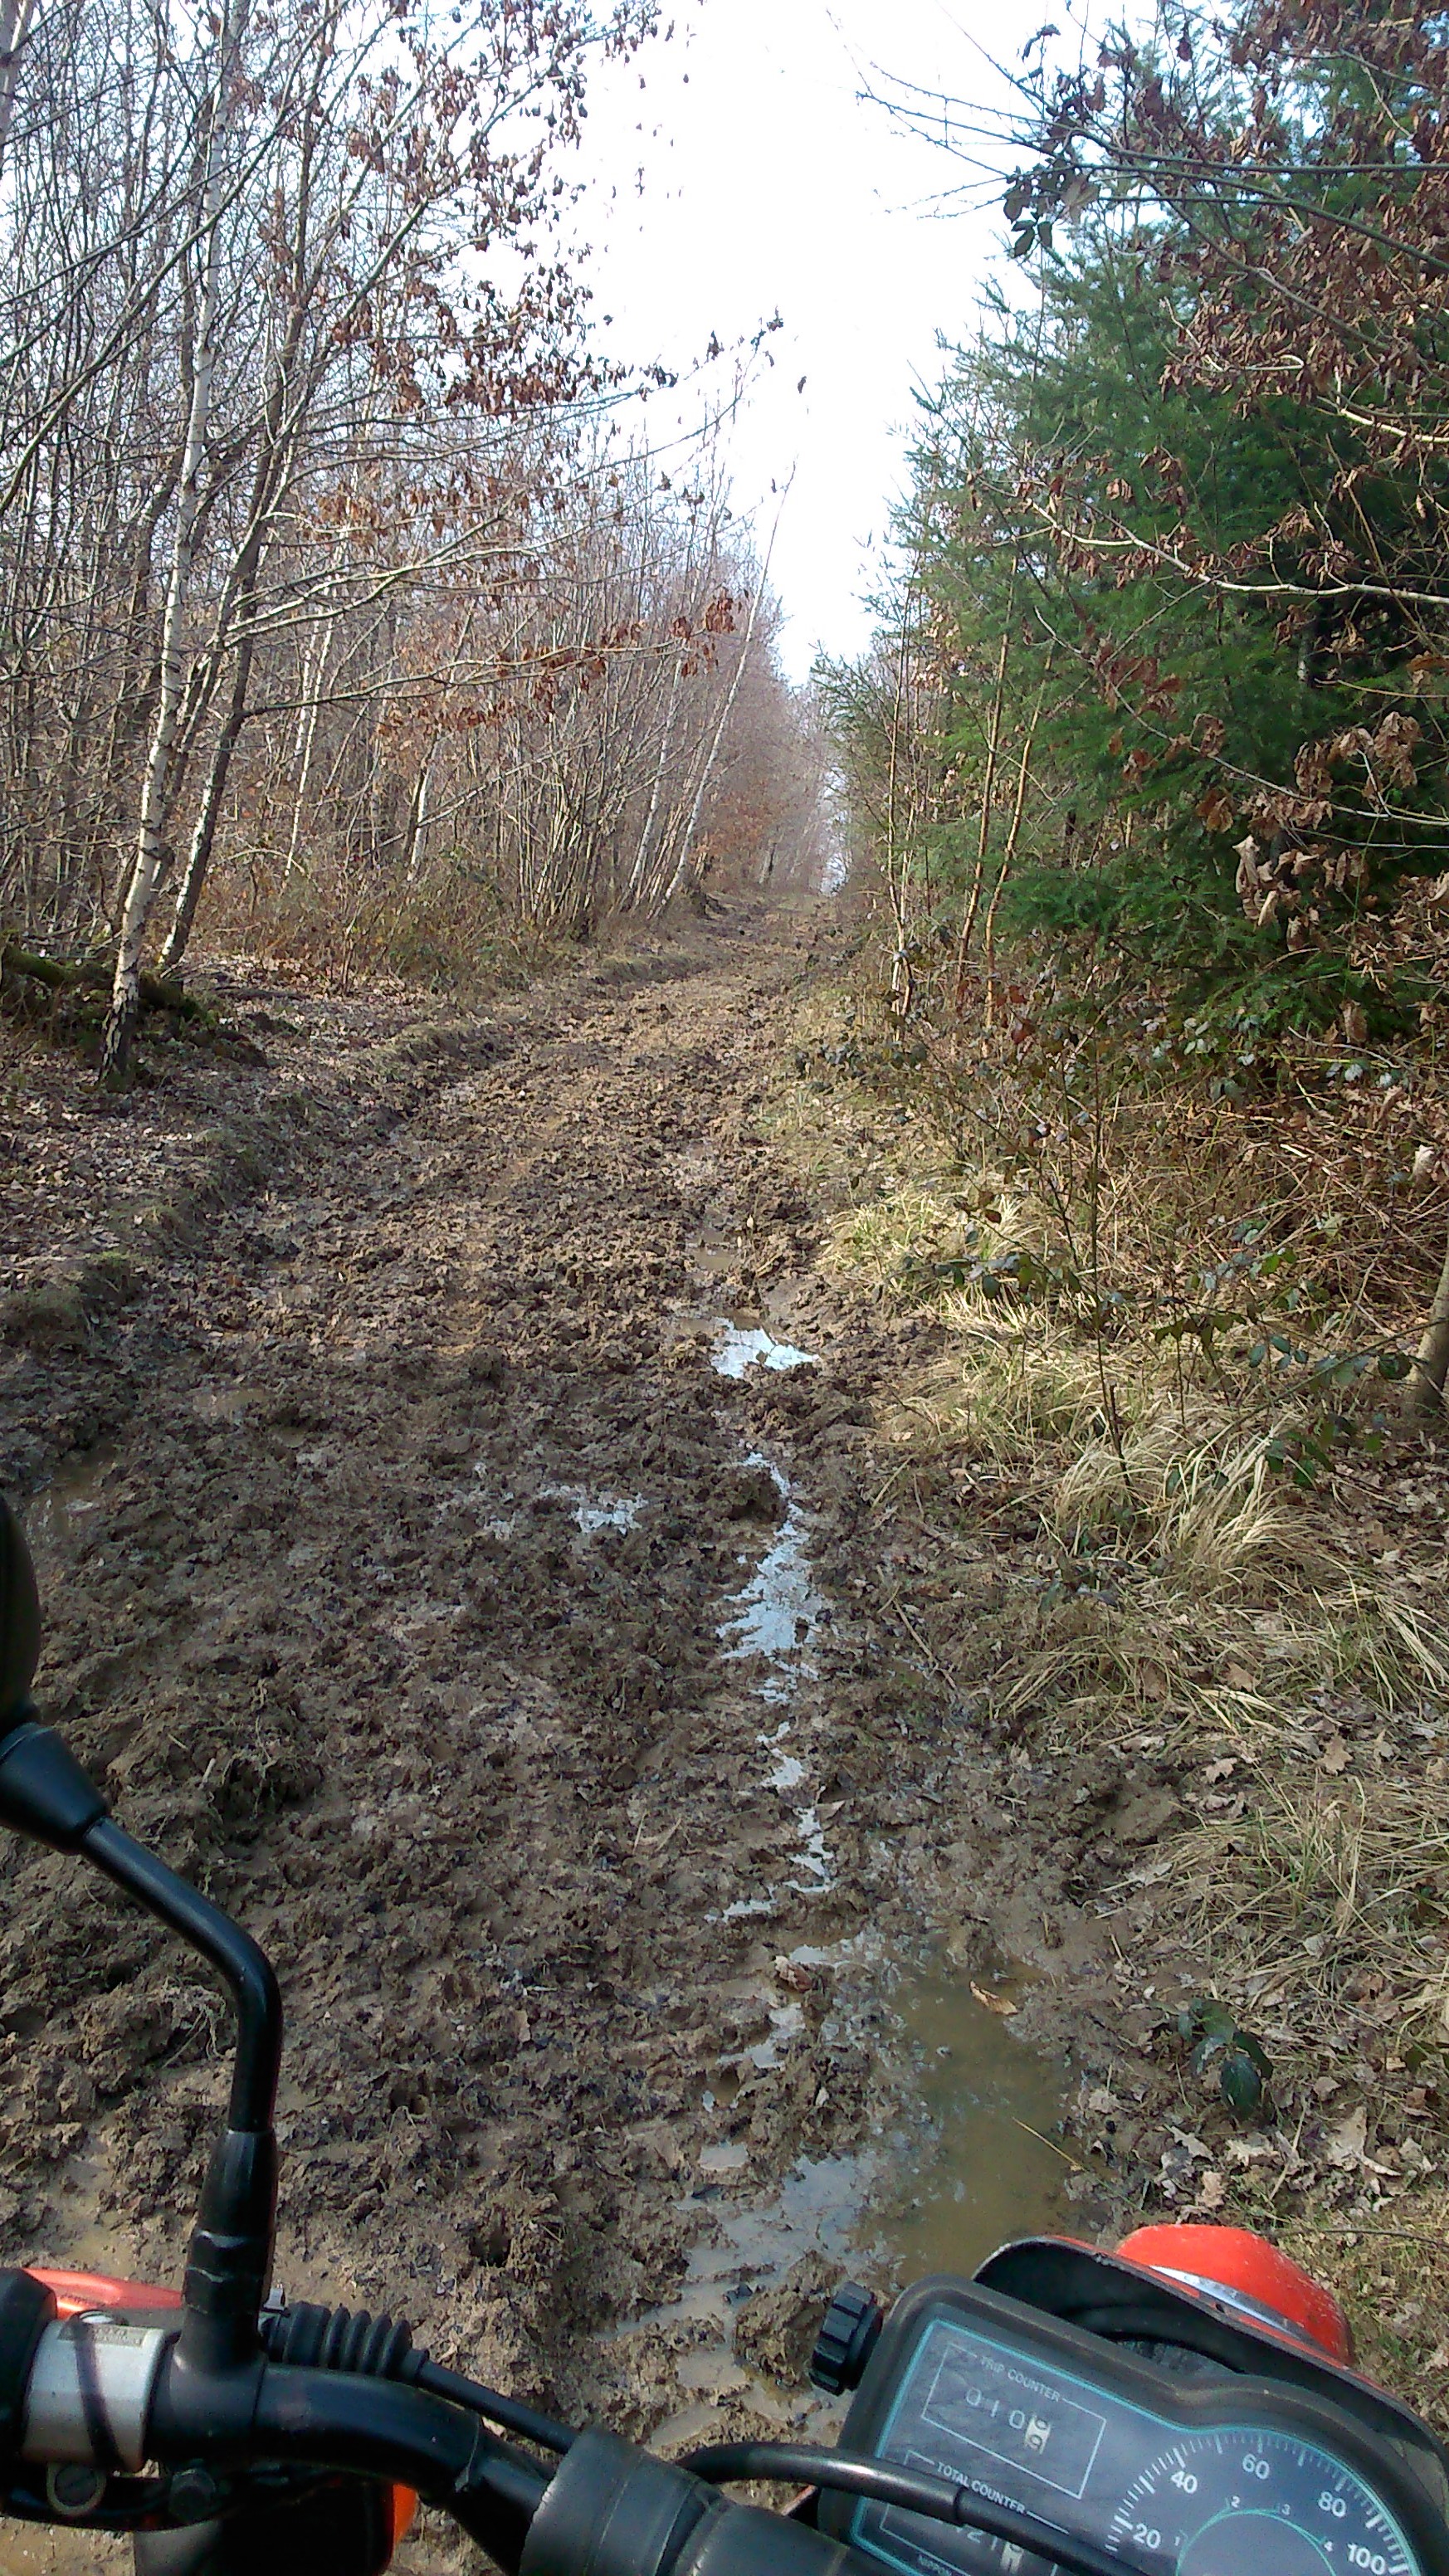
{"x": 234, "y": 1955}
{"x": 229, "y": 2260}
{"x": 45, "y": 1793}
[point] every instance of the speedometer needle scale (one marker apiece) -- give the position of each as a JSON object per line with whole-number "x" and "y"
{"x": 1228, "y": 2503}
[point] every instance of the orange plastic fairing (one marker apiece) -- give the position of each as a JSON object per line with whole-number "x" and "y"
{"x": 77, "y": 2291}
{"x": 1251, "y": 2273}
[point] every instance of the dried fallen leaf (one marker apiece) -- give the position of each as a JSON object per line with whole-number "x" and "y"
{"x": 1345, "y": 2144}
{"x": 994, "y": 2003}
{"x": 1191, "y": 2144}
{"x": 789, "y": 1972}
{"x": 1335, "y": 1755}
{"x": 1211, "y": 2190}
{"x": 1237, "y": 1676}
{"x": 1222, "y": 1770}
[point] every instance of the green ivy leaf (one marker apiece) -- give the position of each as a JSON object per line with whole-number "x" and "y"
{"x": 1240, "y": 2083}
{"x": 1254, "y": 2049}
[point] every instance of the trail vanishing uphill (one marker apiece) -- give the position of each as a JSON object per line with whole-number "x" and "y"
{"x": 420, "y": 1580}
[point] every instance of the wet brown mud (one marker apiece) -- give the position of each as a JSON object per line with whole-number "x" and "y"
{"x": 428, "y": 1592}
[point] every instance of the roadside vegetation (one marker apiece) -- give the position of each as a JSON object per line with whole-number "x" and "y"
{"x": 347, "y": 613}
{"x": 1137, "y": 1096}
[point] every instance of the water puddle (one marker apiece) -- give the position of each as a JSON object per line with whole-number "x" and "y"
{"x": 713, "y": 1254}
{"x": 980, "y": 2156}
{"x": 222, "y": 1401}
{"x": 622, "y": 1513}
{"x": 593, "y": 1512}
{"x": 970, "y": 2151}
{"x": 62, "y": 1512}
{"x": 589, "y": 1512}
{"x": 814, "y": 2212}
{"x": 788, "y": 1775}
{"x": 780, "y": 1608}
{"x": 738, "y": 1348}
{"x": 773, "y": 1622}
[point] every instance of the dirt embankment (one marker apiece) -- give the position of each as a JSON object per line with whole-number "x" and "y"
{"x": 535, "y": 1691}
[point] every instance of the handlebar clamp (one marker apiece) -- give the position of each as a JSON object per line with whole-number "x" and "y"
{"x": 91, "y": 2384}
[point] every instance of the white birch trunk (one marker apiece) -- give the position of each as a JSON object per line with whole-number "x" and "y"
{"x": 307, "y": 746}
{"x": 147, "y": 863}
{"x": 677, "y": 881}
{"x": 639, "y": 873}
{"x": 1424, "y": 1393}
{"x": 15, "y": 17}
{"x": 416, "y": 846}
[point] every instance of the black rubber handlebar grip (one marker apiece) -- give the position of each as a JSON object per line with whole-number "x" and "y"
{"x": 616, "y": 2511}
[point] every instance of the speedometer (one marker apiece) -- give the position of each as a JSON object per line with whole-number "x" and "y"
{"x": 1185, "y": 2471}
{"x": 1252, "y": 2502}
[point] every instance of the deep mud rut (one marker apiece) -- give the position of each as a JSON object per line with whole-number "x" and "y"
{"x": 516, "y": 1676}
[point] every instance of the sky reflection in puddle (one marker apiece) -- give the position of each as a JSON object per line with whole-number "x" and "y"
{"x": 737, "y": 1348}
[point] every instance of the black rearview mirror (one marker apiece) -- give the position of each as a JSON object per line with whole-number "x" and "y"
{"x": 19, "y": 1618}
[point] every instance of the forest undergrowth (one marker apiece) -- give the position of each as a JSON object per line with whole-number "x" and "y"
{"x": 1179, "y": 1519}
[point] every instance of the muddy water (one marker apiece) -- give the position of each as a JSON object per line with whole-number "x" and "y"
{"x": 971, "y": 2145}
{"x": 773, "y": 1622}
{"x": 969, "y": 2151}
{"x": 982, "y": 2147}
{"x": 59, "y": 1517}
{"x": 974, "y": 2153}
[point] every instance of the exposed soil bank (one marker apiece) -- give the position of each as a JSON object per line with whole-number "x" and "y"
{"x": 408, "y": 1571}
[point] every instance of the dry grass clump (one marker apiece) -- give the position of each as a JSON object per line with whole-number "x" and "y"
{"x": 885, "y": 1240}
{"x": 339, "y": 919}
{"x": 1330, "y": 1883}
{"x": 1200, "y": 1493}
{"x": 1002, "y": 1393}
{"x": 1121, "y": 1562}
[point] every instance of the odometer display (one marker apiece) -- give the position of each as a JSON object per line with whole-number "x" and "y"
{"x": 1010, "y": 2422}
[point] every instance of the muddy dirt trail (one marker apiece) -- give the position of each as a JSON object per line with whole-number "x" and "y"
{"x": 475, "y": 1588}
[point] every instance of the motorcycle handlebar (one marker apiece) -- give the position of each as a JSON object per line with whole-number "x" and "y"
{"x": 119, "y": 2393}
{"x": 320, "y": 2419}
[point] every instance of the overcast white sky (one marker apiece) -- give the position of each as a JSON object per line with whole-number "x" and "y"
{"x": 767, "y": 182}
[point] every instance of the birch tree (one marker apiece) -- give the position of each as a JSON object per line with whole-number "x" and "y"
{"x": 199, "y": 362}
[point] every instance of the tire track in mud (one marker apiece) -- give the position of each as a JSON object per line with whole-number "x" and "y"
{"x": 395, "y": 1614}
